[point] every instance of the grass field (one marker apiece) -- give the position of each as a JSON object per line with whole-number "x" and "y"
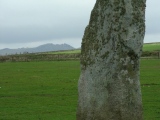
{"x": 151, "y": 47}
{"x": 48, "y": 90}
{"x": 38, "y": 90}
{"x": 150, "y": 83}
{"x": 65, "y": 52}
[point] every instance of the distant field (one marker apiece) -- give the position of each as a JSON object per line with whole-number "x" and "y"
{"x": 151, "y": 47}
{"x": 48, "y": 90}
{"x": 65, "y": 52}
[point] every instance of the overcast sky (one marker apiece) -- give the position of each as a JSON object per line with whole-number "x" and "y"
{"x": 29, "y": 23}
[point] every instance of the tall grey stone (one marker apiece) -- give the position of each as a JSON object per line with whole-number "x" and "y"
{"x": 109, "y": 87}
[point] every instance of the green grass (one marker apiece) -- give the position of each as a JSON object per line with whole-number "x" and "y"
{"x": 150, "y": 82}
{"x": 38, "y": 90}
{"x": 65, "y": 52}
{"x": 48, "y": 90}
{"x": 151, "y": 47}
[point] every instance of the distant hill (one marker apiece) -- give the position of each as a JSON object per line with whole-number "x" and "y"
{"x": 42, "y": 48}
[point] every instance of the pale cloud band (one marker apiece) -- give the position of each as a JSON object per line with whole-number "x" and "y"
{"x": 32, "y": 22}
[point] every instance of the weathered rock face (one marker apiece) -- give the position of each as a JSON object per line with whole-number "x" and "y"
{"x": 109, "y": 87}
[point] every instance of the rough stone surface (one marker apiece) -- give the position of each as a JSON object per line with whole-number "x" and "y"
{"x": 109, "y": 87}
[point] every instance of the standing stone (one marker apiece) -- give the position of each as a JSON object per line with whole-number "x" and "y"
{"x": 109, "y": 87}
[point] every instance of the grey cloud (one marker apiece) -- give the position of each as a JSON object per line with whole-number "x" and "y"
{"x": 24, "y": 21}
{"x": 38, "y": 33}
{"x": 152, "y": 17}
{"x": 29, "y": 21}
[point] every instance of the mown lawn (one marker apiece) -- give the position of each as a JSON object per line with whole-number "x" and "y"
{"x": 38, "y": 90}
{"x": 150, "y": 83}
{"x": 48, "y": 90}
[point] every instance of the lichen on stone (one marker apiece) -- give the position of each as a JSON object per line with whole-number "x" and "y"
{"x": 109, "y": 87}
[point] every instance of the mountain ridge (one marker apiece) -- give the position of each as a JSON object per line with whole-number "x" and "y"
{"x": 42, "y": 48}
